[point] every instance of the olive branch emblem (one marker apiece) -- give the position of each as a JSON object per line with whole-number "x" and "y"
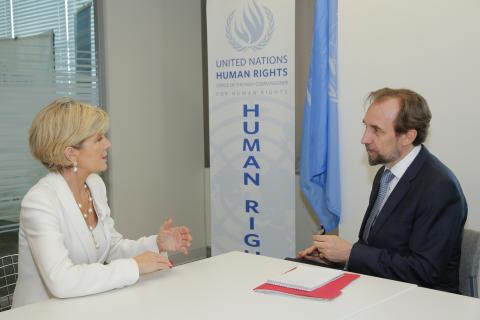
{"x": 260, "y": 44}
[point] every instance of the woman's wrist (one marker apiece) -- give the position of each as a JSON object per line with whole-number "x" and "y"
{"x": 159, "y": 244}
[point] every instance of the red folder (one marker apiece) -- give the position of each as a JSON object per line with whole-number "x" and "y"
{"x": 329, "y": 291}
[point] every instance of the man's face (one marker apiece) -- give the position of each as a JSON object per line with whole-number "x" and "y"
{"x": 382, "y": 144}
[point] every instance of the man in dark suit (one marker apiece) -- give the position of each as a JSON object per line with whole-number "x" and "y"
{"x": 412, "y": 230}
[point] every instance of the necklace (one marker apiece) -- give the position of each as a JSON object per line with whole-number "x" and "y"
{"x": 87, "y": 213}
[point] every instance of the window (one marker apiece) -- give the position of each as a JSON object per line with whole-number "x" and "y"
{"x": 47, "y": 49}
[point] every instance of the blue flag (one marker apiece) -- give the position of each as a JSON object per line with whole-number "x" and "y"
{"x": 319, "y": 165}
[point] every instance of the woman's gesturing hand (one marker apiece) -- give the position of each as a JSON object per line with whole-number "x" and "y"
{"x": 151, "y": 261}
{"x": 173, "y": 238}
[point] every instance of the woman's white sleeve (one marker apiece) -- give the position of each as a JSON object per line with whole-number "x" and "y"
{"x": 40, "y": 220}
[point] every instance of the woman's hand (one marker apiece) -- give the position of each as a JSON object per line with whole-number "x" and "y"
{"x": 151, "y": 261}
{"x": 173, "y": 238}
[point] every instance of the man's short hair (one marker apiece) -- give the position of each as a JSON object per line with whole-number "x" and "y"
{"x": 414, "y": 112}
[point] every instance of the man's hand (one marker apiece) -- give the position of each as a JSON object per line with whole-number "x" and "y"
{"x": 331, "y": 248}
{"x": 312, "y": 254}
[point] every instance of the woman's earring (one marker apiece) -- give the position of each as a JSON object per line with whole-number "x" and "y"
{"x": 75, "y": 167}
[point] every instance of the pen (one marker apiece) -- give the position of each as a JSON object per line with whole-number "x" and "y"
{"x": 320, "y": 231}
{"x": 290, "y": 270}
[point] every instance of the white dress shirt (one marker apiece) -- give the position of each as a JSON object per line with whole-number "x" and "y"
{"x": 399, "y": 169}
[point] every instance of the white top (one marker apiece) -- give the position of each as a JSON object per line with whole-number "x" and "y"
{"x": 399, "y": 169}
{"x": 57, "y": 257}
{"x": 99, "y": 234}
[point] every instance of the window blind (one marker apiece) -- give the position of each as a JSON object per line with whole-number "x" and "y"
{"x": 47, "y": 50}
{"x": 5, "y": 21}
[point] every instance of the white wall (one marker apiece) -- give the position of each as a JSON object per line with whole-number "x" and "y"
{"x": 430, "y": 46}
{"x": 153, "y": 76}
{"x": 153, "y": 48}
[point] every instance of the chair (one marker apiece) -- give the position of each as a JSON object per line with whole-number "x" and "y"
{"x": 469, "y": 263}
{"x": 8, "y": 279}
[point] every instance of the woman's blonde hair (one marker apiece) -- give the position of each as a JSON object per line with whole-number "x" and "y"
{"x": 63, "y": 123}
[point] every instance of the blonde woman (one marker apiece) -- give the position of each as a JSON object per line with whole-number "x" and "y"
{"x": 68, "y": 245}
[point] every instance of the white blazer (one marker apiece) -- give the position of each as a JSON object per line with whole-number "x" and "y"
{"x": 57, "y": 256}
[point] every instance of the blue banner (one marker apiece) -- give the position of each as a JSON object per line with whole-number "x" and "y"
{"x": 319, "y": 167}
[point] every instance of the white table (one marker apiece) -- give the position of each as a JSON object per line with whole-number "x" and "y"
{"x": 219, "y": 288}
{"x": 421, "y": 303}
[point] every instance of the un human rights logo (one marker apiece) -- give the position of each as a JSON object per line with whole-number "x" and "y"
{"x": 250, "y": 28}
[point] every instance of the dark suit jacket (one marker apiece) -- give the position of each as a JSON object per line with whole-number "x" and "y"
{"x": 418, "y": 234}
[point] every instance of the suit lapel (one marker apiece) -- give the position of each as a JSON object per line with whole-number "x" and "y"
{"x": 72, "y": 214}
{"x": 399, "y": 192}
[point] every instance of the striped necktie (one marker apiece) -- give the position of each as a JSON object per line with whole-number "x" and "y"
{"x": 387, "y": 177}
